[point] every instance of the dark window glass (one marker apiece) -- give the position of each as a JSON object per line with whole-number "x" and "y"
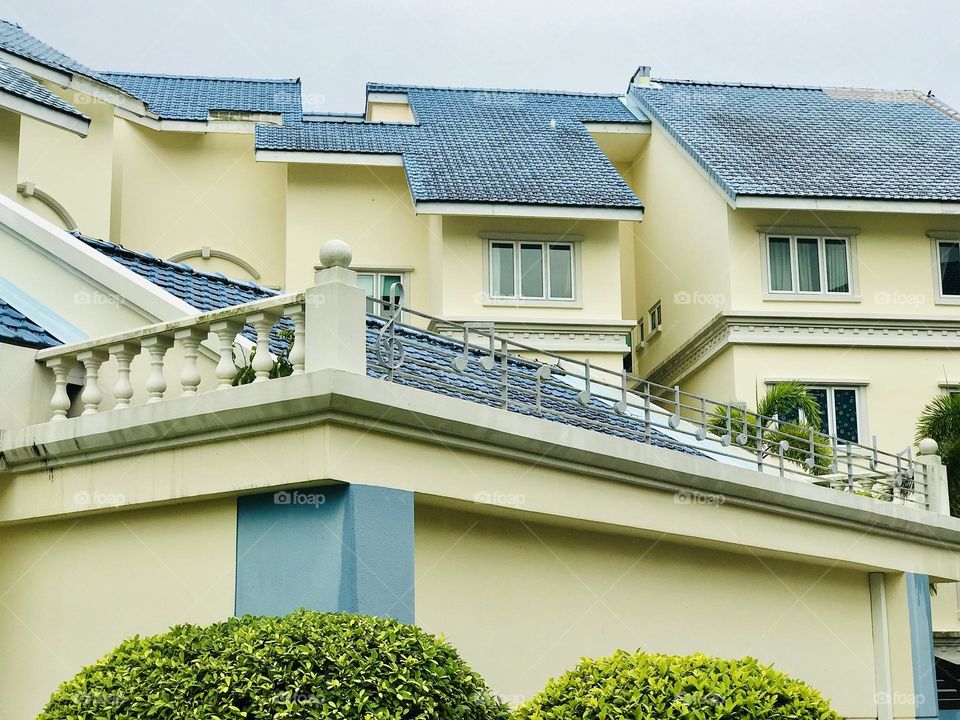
{"x": 950, "y": 268}
{"x": 820, "y": 395}
{"x": 845, "y": 405}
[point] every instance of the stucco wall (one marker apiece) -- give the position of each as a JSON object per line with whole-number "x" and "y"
{"x": 9, "y": 152}
{"x": 682, "y": 250}
{"x": 899, "y": 382}
{"x": 894, "y": 261}
{"x": 76, "y": 171}
{"x": 180, "y": 191}
{"x": 74, "y": 589}
{"x": 523, "y": 601}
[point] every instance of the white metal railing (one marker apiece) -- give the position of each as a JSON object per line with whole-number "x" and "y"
{"x": 576, "y": 391}
{"x": 217, "y": 331}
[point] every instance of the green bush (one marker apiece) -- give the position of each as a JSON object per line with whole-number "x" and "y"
{"x": 304, "y": 665}
{"x": 643, "y": 686}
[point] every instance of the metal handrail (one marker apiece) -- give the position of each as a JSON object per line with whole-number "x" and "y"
{"x": 670, "y": 415}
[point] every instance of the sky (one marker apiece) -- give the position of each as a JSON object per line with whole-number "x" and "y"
{"x": 336, "y": 47}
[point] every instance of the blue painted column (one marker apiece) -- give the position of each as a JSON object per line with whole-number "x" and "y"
{"x": 921, "y": 646}
{"x": 336, "y": 547}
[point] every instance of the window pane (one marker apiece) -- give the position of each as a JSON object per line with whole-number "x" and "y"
{"x": 502, "y": 282}
{"x": 808, "y": 264}
{"x": 781, "y": 277}
{"x": 366, "y": 281}
{"x": 838, "y": 280}
{"x": 561, "y": 271}
{"x": 386, "y": 283}
{"x": 950, "y": 268}
{"x": 531, "y": 271}
{"x": 845, "y": 405}
{"x": 820, "y": 395}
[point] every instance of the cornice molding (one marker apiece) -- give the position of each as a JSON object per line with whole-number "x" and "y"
{"x": 918, "y": 332}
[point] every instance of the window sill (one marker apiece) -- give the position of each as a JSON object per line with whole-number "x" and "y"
{"x": 946, "y": 300}
{"x": 796, "y": 297}
{"x": 529, "y": 302}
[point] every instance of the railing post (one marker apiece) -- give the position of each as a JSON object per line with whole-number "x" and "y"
{"x": 91, "y": 394}
{"x": 336, "y": 309}
{"x": 226, "y": 332}
{"x": 60, "y": 402}
{"x": 157, "y": 347}
{"x": 935, "y": 477}
{"x": 124, "y": 353}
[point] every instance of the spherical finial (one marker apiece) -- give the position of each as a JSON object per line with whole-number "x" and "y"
{"x": 928, "y": 446}
{"x": 335, "y": 253}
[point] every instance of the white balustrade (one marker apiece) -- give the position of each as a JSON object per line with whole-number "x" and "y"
{"x": 204, "y": 339}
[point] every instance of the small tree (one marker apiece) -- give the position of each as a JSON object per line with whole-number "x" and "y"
{"x": 759, "y": 431}
{"x": 940, "y": 420}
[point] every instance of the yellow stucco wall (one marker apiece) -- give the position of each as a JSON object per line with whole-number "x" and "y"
{"x": 682, "y": 250}
{"x": 524, "y": 601}
{"x": 390, "y": 112}
{"x": 899, "y": 382}
{"x": 74, "y": 589}
{"x": 179, "y": 191}
{"x": 9, "y": 152}
{"x": 26, "y": 396}
{"x": 894, "y": 261}
{"x": 76, "y": 171}
{"x": 367, "y": 207}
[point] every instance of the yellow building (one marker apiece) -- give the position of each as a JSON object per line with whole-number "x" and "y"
{"x": 534, "y": 510}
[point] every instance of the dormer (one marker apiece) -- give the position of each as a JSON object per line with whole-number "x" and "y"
{"x": 389, "y": 107}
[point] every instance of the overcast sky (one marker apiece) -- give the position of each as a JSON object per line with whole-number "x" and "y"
{"x": 336, "y": 47}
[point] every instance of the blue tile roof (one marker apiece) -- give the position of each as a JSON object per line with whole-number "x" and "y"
{"x": 812, "y": 142}
{"x": 204, "y": 291}
{"x": 185, "y": 97}
{"x": 17, "y": 329}
{"x": 17, "y": 41}
{"x": 15, "y": 81}
{"x": 485, "y": 146}
{"x": 428, "y": 362}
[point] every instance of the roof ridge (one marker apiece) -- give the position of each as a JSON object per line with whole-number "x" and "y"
{"x": 180, "y": 266}
{"x": 781, "y": 86}
{"x": 567, "y": 93}
{"x": 171, "y": 76}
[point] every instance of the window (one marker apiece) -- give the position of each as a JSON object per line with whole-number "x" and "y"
{"x": 948, "y": 256}
{"x": 808, "y": 265}
{"x": 531, "y": 270}
{"x": 378, "y": 285}
{"x": 839, "y": 411}
{"x": 656, "y": 318}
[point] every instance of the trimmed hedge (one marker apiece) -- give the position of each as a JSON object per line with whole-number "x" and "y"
{"x": 641, "y": 686}
{"x": 304, "y": 665}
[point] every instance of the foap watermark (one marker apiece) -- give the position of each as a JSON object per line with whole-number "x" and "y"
{"x": 692, "y": 497}
{"x": 695, "y": 297}
{"x": 297, "y": 497}
{"x": 896, "y": 297}
{"x": 495, "y": 497}
{"x": 899, "y": 698}
{"x": 97, "y": 298}
{"x": 98, "y": 499}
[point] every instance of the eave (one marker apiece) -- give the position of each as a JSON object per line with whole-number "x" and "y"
{"x": 44, "y": 113}
{"x": 520, "y": 210}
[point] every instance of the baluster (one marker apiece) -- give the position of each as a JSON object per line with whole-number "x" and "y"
{"x": 262, "y": 364}
{"x": 190, "y": 338}
{"x": 727, "y": 437}
{"x": 744, "y": 425}
{"x": 489, "y": 361}
{"x": 124, "y": 352}
{"x": 504, "y": 375}
{"x": 674, "y": 420}
{"x": 811, "y": 461}
{"x": 583, "y": 397}
{"x": 647, "y": 430}
{"x": 543, "y": 374}
{"x": 620, "y": 407}
{"x": 91, "y": 395}
{"x": 702, "y": 430}
{"x": 60, "y": 401}
{"x": 226, "y": 332}
{"x": 298, "y": 353}
{"x": 157, "y": 346}
{"x": 461, "y": 363}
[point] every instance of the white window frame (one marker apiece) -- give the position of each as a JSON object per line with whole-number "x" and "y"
{"x": 545, "y": 241}
{"x": 830, "y": 386}
{"x": 378, "y": 273}
{"x": 935, "y": 239}
{"x": 655, "y": 311}
{"x": 822, "y": 295}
